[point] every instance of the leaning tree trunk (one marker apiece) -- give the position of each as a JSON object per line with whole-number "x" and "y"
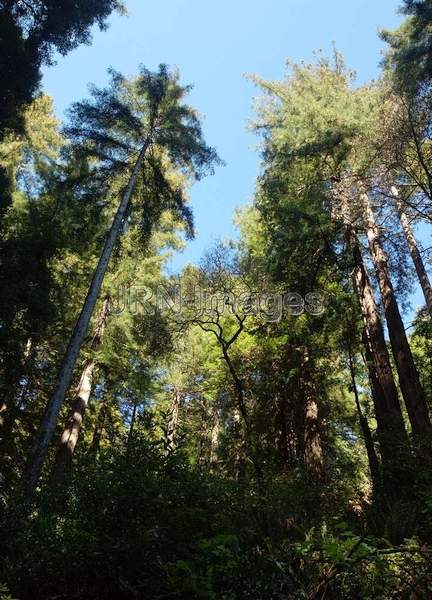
{"x": 409, "y": 381}
{"x": 414, "y": 250}
{"x": 49, "y": 420}
{"x": 69, "y": 438}
{"x": 313, "y": 454}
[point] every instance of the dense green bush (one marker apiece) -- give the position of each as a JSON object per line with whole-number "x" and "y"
{"x": 142, "y": 523}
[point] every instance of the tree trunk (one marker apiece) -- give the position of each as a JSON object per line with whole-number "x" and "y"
{"x": 173, "y": 417}
{"x": 389, "y": 413}
{"x": 49, "y": 420}
{"x": 251, "y": 444}
{"x": 313, "y": 454}
{"x": 240, "y": 455}
{"x": 394, "y": 444}
{"x": 377, "y": 392}
{"x": 414, "y": 250}
{"x": 393, "y": 440}
{"x": 374, "y": 465}
{"x": 69, "y": 438}
{"x": 214, "y": 441}
{"x": 387, "y": 409}
{"x": 409, "y": 381}
{"x": 391, "y": 427}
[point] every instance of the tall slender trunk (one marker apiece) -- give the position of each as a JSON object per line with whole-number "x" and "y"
{"x": 414, "y": 250}
{"x": 392, "y": 435}
{"x": 214, "y": 441}
{"x": 409, "y": 381}
{"x": 69, "y": 438}
{"x": 377, "y": 392}
{"x": 49, "y": 420}
{"x": 173, "y": 416}
{"x": 240, "y": 455}
{"x": 374, "y": 465}
{"x": 388, "y": 410}
{"x": 386, "y": 400}
{"x": 313, "y": 454}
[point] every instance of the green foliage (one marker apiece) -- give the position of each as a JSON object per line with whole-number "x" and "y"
{"x": 4, "y": 593}
{"x": 110, "y": 130}
{"x": 409, "y": 57}
{"x": 30, "y": 33}
{"x": 142, "y": 523}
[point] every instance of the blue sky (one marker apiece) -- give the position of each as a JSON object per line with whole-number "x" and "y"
{"x": 214, "y": 44}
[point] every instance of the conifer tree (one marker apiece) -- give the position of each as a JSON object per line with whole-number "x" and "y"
{"x": 128, "y": 127}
